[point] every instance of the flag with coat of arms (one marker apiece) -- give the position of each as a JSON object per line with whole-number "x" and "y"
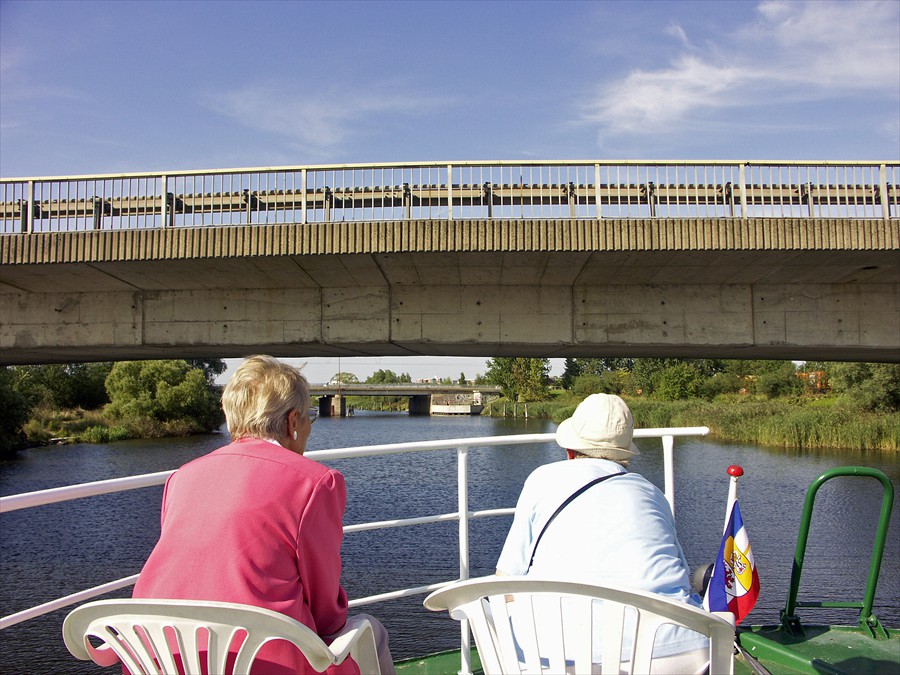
{"x": 734, "y": 585}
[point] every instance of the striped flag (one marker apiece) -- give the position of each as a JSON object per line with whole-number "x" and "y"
{"x": 734, "y": 585}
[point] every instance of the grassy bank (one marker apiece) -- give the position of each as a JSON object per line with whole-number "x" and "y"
{"x": 817, "y": 423}
{"x": 91, "y": 426}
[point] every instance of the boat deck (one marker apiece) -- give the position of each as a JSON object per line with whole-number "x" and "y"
{"x": 823, "y": 649}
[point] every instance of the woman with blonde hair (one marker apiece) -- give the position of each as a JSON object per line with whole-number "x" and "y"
{"x": 256, "y": 522}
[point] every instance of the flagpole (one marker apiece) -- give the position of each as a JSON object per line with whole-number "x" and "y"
{"x": 735, "y": 472}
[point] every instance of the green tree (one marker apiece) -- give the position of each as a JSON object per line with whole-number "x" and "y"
{"x": 343, "y": 378}
{"x": 163, "y": 391}
{"x": 720, "y": 383}
{"x": 14, "y": 412}
{"x": 677, "y": 382}
{"x": 592, "y": 366}
{"x": 607, "y": 382}
{"x": 64, "y": 385}
{"x": 383, "y": 377}
{"x": 522, "y": 379}
{"x": 869, "y": 386}
{"x": 782, "y": 380}
{"x": 212, "y": 367}
{"x": 462, "y": 378}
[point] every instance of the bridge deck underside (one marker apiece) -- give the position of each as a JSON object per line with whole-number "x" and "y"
{"x": 764, "y": 288}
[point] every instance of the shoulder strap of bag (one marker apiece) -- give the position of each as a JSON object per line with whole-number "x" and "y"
{"x": 569, "y": 499}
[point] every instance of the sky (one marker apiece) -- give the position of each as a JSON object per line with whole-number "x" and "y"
{"x": 106, "y": 87}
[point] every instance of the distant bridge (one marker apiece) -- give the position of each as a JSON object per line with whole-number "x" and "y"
{"x": 399, "y": 389}
{"x": 333, "y": 398}
{"x": 791, "y": 260}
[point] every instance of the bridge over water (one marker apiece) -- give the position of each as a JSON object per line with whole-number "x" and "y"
{"x": 795, "y": 260}
{"x": 421, "y": 396}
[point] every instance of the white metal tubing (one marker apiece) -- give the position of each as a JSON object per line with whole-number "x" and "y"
{"x": 462, "y": 445}
{"x": 462, "y": 477}
{"x": 668, "y": 443}
{"x": 53, "y": 605}
{"x": 100, "y": 487}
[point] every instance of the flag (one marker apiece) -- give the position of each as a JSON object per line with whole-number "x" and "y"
{"x": 734, "y": 585}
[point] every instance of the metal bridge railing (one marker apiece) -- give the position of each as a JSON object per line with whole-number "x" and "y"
{"x": 448, "y": 191}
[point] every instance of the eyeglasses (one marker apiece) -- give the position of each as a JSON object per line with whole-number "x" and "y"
{"x": 313, "y": 414}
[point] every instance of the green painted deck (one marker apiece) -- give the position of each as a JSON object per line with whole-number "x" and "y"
{"x": 825, "y": 650}
{"x": 441, "y": 663}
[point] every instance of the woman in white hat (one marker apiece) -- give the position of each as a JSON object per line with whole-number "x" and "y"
{"x": 615, "y": 529}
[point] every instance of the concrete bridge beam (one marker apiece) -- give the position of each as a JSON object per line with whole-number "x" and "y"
{"x": 765, "y": 320}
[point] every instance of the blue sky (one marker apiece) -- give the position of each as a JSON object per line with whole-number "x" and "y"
{"x": 97, "y": 87}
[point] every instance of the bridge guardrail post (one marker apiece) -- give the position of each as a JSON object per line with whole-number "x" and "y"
{"x": 597, "y": 190}
{"x": 164, "y": 206}
{"x": 303, "y": 203}
{"x": 29, "y": 217}
{"x": 743, "y": 178}
{"x": 449, "y": 192}
{"x": 885, "y": 197}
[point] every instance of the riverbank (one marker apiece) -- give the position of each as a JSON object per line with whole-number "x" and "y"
{"x": 813, "y": 424}
{"x": 59, "y": 427}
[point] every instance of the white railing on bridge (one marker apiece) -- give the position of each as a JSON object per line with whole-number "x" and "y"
{"x": 462, "y": 515}
{"x": 458, "y": 190}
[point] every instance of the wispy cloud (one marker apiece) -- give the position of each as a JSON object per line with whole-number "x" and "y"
{"x": 793, "y": 52}
{"x": 317, "y": 121}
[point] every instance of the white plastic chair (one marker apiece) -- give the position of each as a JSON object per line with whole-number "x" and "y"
{"x": 144, "y": 633}
{"x": 553, "y": 625}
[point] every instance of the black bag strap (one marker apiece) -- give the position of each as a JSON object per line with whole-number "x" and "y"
{"x": 569, "y": 499}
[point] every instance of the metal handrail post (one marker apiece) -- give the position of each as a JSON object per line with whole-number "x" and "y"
{"x": 885, "y": 198}
{"x": 164, "y": 183}
{"x": 30, "y": 218}
{"x": 668, "y": 443}
{"x": 462, "y": 490}
{"x": 449, "y": 192}
{"x": 743, "y": 178}
{"x": 303, "y": 204}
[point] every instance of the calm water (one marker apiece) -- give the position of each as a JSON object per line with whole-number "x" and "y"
{"x": 59, "y": 549}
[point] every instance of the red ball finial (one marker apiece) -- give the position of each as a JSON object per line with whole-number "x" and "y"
{"x": 735, "y": 470}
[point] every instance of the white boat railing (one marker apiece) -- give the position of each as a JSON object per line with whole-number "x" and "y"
{"x": 463, "y": 514}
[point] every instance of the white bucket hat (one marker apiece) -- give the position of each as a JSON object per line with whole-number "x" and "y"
{"x": 601, "y": 426}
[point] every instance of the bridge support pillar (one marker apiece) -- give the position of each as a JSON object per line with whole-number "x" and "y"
{"x": 420, "y": 405}
{"x": 332, "y": 406}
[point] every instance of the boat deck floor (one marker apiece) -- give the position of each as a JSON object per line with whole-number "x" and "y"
{"x": 823, "y": 649}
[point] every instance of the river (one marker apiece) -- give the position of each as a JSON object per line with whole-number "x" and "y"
{"x": 58, "y": 549}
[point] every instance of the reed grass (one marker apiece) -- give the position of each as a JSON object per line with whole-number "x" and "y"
{"x": 788, "y": 423}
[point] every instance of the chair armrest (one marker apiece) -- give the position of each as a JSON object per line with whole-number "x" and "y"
{"x": 357, "y": 630}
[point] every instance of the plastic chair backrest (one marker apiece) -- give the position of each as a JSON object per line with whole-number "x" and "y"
{"x": 146, "y": 635}
{"x": 553, "y": 622}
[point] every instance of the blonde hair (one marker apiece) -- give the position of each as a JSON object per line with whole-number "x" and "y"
{"x": 260, "y": 395}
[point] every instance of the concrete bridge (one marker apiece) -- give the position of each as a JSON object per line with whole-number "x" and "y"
{"x": 691, "y": 259}
{"x": 333, "y": 398}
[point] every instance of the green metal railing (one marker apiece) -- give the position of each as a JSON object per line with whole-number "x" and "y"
{"x": 867, "y": 619}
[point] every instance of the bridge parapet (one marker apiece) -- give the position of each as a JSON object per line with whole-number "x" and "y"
{"x": 448, "y": 191}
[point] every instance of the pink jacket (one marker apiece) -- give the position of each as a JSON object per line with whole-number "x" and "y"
{"x": 257, "y": 524}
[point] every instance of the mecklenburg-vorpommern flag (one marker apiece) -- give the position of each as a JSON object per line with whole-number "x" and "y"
{"x": 734, "y": 585}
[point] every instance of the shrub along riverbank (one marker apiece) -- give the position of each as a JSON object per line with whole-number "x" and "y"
{"x": 817, "y": 423}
